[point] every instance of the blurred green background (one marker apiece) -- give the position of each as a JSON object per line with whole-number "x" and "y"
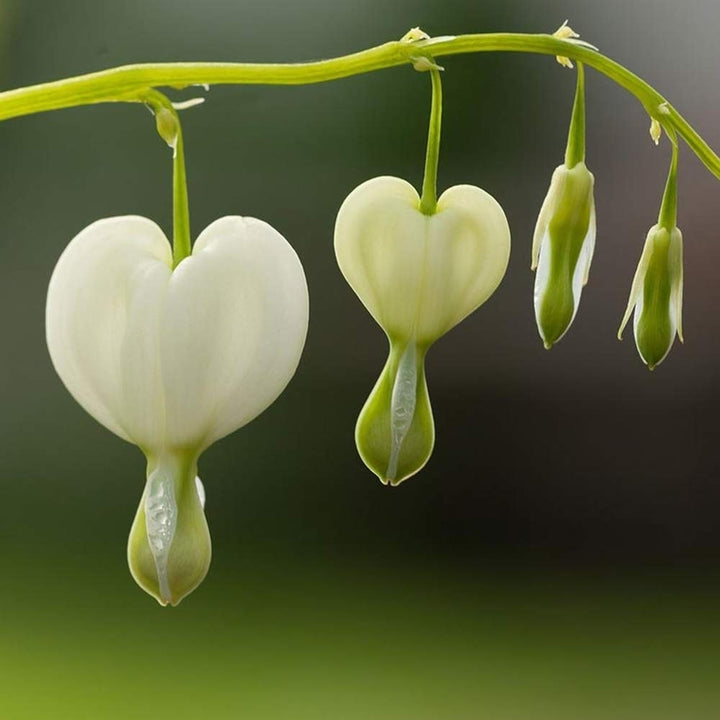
{"x": 558, "y": 557}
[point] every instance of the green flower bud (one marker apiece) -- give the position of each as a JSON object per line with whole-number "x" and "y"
{"x": 563, "y": 246}
{"x": 656, "y": 295}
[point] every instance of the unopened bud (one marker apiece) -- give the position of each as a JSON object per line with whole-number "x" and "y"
{"x": 563, "y": 246}
{"x": 656, "y": 295}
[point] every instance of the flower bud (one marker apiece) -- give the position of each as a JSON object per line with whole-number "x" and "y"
{"x": 563, "y": 246}
{"x": 656, "y": 295}
{"x": 418, "y": 275}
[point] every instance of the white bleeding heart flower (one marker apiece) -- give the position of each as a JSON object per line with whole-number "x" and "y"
{"x": 418, "y": 275}
{"x": 174, "y": 359}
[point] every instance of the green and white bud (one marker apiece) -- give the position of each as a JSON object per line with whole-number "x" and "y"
{"x": 563, "y": 246}
{"x": 657, "y": 288}
{"x": 418, "y": 275}
{"x": 656, "y": 295}
{"x": 564, "y": 238}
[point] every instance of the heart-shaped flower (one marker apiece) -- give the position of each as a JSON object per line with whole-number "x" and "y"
{"x": 174, "y": 359}
{"x": 418, "y": 275}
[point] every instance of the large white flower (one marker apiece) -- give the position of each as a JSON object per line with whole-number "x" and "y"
{"x": 173, "y": 359}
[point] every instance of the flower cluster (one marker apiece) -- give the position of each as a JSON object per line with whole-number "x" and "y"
{"x": 173, "y": 347}
{"x": 564, "y": 243}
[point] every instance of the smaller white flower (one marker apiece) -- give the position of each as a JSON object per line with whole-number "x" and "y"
{"x": 418, "y": 275}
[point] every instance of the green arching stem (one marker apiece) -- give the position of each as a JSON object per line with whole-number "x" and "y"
{"x": 172, "y": 134}
{"x": 668, "y": 210}
{"x": 124, "y": 83}
{"x": 575, "y": 150}
{"x": 428, "y": 200}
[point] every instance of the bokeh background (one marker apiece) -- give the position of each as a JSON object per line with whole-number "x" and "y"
{"x": 558, "y": 557}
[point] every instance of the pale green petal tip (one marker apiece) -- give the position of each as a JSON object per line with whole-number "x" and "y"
{"x": 169, "y": 547}
{"x": 395, "y": 432}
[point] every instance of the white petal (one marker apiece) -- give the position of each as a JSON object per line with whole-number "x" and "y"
{"x": 467, "y": 255}
{"x": 418, "y": 274}
{"x": 379, "y": 244}
{"x": 635, "y": 301}
{"x": 102, "y": 316}
{"x": 676, "y": 269}
{"x": 200, "y": 491}
{"x": 176, "y": 359}
{"x": 542, "y": 271}
{"x": 234, "y": 329}
{"x": 586, "y": 254}
{"x": 546, "y": 211}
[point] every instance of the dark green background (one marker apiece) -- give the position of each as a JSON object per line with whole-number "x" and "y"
{"x": 557, "y": 558}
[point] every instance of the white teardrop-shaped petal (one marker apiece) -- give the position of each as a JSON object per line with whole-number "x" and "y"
{"x": 235, "y": 326}
{"x": 419, "y": 275}
{"x": 636, "y": 289}
{"x": 176, "y": 358}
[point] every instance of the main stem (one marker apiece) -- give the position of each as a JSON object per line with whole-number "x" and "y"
{"x": 428, "y": 201}
{"x": 124, "y": 83}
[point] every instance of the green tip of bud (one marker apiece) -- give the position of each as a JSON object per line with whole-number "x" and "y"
{"x": 654, "y": 335}
{"x": 395, "y": 432}
{"x": 169, "y": 546}
{"x": 556, "y": 311}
